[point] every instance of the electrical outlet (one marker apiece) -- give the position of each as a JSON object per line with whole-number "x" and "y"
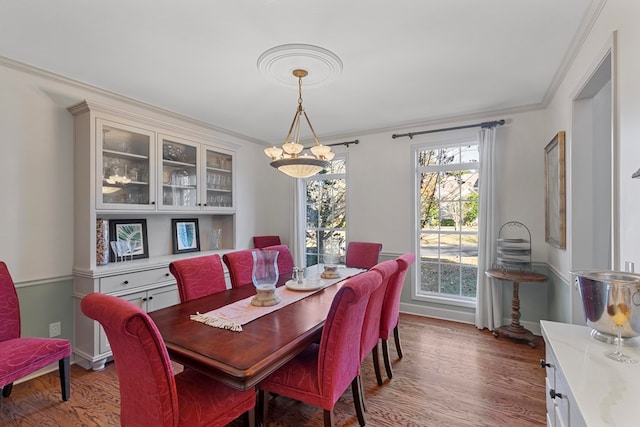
{"x": 55, "y": 329}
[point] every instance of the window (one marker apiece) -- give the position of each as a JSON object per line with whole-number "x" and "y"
{"x": 447, "y": 222}
{"x": 326, "y": 211}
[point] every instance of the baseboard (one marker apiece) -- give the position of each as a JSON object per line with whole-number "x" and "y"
{"x": 438, "y": 313}
{"x": 457, "y": 316}
{"x": 52, "y": 367}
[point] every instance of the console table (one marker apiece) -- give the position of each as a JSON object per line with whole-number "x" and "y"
{"x": 515, "y": 330}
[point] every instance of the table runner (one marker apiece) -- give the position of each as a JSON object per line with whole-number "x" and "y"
{"x": 241, "y": 312}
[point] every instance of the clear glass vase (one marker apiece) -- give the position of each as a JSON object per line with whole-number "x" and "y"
{"x": 265, "y": 277}
{"x": 102, "y": 241}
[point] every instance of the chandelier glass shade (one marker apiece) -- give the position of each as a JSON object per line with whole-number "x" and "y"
{"x": 289, "y": 159}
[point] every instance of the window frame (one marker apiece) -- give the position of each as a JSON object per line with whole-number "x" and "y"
{"x": 323, "y": 177}
{"x": 445, "y": 140}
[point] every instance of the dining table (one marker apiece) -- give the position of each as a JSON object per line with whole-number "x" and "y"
{"x": 241, "y": 359}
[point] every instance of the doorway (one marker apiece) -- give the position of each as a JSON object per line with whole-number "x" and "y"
{"x": 593, "y": 188}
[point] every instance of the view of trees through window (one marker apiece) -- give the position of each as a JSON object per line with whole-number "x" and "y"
{"x": 448, "y": 221}
{"x": 326, "y": 212}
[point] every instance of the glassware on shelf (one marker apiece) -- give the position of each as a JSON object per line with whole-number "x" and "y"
{"x": 181, "y": 178}
{"x": 216, "y": 238}
{"x": 121, "y": 250}
{"x": 173, "y": 152}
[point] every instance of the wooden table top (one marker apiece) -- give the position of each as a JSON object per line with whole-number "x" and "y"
{"x": 242, "y": 359}
{"x": 516, "y": 276}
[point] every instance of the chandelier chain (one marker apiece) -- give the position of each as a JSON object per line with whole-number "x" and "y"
{"x": 300, "y": 93}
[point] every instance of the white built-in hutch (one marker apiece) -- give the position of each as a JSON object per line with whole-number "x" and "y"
{"x": 130, "y": 167}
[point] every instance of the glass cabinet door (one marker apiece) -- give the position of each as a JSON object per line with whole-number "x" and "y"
{"x": 180, "y": 173}
{"x": 219, "y": 179}
{"x": 125, "y": 166}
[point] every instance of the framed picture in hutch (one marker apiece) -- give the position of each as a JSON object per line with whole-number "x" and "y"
{"x": 186, "y": 235}
{"x": 555, "y": 192}
{"x": 133, "y": 234}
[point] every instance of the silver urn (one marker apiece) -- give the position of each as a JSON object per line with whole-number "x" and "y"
{"x": 601, "y": 288}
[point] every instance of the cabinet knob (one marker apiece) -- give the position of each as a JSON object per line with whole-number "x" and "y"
{"x": 167, "y": 274}
{"x": 553, "y": 394}
{"x": 153, "y": 203}
{"x": 544, "y": 364}
{"x": 126, "y": 282}
{"x": 144, "y": 299}
{"x": 150, "y": 298}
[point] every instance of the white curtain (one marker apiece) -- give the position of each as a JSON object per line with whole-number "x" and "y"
{"x": 489, "y": 291}
{"x": 298, "y": 224}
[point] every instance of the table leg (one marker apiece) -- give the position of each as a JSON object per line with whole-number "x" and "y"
{"x": 515, "y": 330}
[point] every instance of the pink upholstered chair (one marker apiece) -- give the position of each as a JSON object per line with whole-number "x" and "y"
{"x": 391, "y": 310}
{"x": 371, "y": 326}
{"x": 285, "y": 260}
{"x": 240, "y": 266}
{"x": 21, "y": 356}
{"x": 264, "y": 241}
{"x": 199, "y": 276}
{"x": 362, "y": 254}
{"x": 150, "y": 394}
{"x": 321, "y": 373}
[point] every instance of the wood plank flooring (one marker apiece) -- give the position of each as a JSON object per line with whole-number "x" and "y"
{"x": 452, "y": 374}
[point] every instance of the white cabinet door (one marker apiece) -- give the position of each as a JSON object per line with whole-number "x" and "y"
{"x": 218, "y": 179}
{"x": 125, "y": 166}
{"x": 179, "y": 174}
{"x": 162, "y": 297}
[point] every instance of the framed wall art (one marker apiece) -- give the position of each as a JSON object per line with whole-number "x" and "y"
{"x": 555, "y": 195}
{"x": 128, "y": 239}
{"x": 186, "y": 235}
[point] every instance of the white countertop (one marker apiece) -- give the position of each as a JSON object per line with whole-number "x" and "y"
{"x": 606, "y": 392}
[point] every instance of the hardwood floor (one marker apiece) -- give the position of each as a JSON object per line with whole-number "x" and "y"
{"x": 451, "y": 375}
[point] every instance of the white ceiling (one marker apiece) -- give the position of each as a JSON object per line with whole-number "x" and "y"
{"x": 405, "y": 62}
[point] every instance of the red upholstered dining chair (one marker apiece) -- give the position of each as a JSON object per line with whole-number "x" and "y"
{"x": 240, "y": 266}
{"x": 264, "y": 241}
{"x": 150, "y": 393}
{"x": 322, "y": 372}
{"x": 285, "y": 260}
{"x": 21, "y": 356}
{"x": 371, "y": 326}
{"x": 199, "y": 276}
{"x": 391, "y": 310}
{"x": 362, "y": 254}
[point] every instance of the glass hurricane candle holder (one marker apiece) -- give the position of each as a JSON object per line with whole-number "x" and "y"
{"x": 265, "y": 277}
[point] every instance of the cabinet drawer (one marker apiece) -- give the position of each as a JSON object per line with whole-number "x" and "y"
{"x": 122, "y": 282}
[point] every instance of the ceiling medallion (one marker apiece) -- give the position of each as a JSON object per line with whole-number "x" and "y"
{"x": 278, "y": 63}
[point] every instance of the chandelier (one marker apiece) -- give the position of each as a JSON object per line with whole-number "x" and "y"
{"x": 289, "y": 159}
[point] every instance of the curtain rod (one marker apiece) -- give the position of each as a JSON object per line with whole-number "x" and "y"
{"x": 346, "y": 143}
{"x": 483, "y": 125}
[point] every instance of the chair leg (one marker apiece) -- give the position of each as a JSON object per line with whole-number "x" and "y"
{"x": 263, "y": 399}
{"x": 363, "y": 401}
{"x": 329, "y": 419}
{"x": 65, "y": 382}
{"x": 251, "y": 417}
{"x": 356, "y": 388}
{"x": 376, "y": 364}
{"x": 387, "y": 361}
{"x": 6, "y": 390}
{"x": 396, "y": 336}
